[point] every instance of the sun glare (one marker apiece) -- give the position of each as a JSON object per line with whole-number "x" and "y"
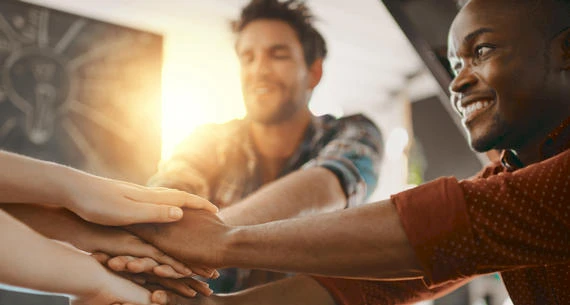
{"x": 200, "y": 85}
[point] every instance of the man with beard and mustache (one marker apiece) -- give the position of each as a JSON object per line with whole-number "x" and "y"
{"x": 512, "y": 86}
{"x": 280, "y": 161}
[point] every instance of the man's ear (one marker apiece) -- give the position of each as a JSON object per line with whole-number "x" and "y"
{"x": 315, "y": 73}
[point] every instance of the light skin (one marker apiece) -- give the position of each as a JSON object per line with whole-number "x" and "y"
{"x": 62, "y": 190}
{"x": 86, "y": 281}
{"x": 95, "y": 199}
{"x": 489, "y": 51}
{"x": 276, "y": 80}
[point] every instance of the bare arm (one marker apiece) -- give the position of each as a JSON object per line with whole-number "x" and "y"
{"x": 62, "y": 225}
{"x": 96, "y": 199}
{"x": 303, "y": 192}
{"x": 362, "y": 242}
{"x": 82, "y": 276}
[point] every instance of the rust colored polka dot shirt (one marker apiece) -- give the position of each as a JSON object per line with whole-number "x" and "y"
{"x": 507, "y": 219}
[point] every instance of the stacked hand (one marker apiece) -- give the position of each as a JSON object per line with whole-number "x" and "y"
{"x": 116, "y": 203}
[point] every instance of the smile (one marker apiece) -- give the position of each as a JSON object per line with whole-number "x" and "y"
{"x": 473, "y": 110}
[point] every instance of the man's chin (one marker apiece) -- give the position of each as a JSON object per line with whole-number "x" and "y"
{"x": 481, "y": 144}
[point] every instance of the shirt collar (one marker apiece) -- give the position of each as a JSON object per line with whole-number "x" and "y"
{"x": 556, "y": 142}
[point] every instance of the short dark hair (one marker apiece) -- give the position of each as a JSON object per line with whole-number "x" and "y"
{"x": 293, "y": 12}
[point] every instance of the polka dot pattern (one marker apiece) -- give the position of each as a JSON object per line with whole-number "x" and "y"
{"x": 507, "y": 220}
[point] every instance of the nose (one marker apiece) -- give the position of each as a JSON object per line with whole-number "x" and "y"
{"x": 261, "y": 66}
{"x": 463, "y": 81}
{"x": 460, "y": 85}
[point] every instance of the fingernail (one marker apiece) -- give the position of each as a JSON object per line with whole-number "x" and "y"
{"x": 175, "y": 213}
{"x": 160, "y": 297}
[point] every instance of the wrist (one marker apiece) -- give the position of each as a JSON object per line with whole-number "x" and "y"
{"x": 235, "y": 247}
{"x": 62, "y": 184}
{"x": 58, "y": 184}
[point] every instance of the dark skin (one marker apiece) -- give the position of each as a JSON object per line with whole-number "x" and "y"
{"x": 521, "y": 79}
{"x": 487, "y": 53}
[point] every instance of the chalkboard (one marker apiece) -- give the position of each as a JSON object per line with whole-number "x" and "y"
{"x": 78, "y": 91}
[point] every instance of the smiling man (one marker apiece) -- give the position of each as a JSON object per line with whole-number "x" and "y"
{"x": 280, "y": 161}
{"x": 512, "y": 88}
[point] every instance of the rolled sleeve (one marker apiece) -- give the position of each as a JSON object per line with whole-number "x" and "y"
{"x": 354, "y": 156}
{"x": 434, "y": 216}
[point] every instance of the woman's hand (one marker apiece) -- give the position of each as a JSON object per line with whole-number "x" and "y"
{"x": 112, "y": 289}
{"x": 116, "y": 203}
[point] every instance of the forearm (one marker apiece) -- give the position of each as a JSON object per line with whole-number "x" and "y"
{"x": 79, "y": 274}
{"x": 54, "y": 223}
{"x": 26, "y": 180}
{"x": 303, "y": 192}
{"x": 363, "y": 242}
{"x": 298, "y": 290}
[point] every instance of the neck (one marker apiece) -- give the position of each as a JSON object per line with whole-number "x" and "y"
{"x": 530, "y": 151}
{"x": 278, "y": 141}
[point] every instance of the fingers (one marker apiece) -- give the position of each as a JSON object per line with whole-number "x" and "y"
{"x": 169, "y": 298}
{"x": 206, "y": 272}
{"x": 141, "y": 212}
{"x": 159, "y": 297}
{"x": 201, "y": 287}
{"x": 136, "y": 248}
{"x": 166, "y": 271}
{"x": 119, "y": 263}
{"x": 179, "y": 286}
{"x": 102, "y": 258}
{"x": 143, "y": 265}
{"x": 164, "y": 196}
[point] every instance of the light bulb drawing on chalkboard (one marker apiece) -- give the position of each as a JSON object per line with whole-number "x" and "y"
{"x": 69, "y": 86}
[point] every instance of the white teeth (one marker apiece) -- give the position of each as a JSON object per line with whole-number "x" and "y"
{"x": 467, "y": 111}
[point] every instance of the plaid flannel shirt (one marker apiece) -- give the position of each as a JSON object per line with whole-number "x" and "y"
{"x": 219, "y": 162}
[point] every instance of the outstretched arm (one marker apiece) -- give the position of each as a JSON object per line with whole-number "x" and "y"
{"x": 80, "y": 276}
{"x": 96, "y": 199}
{"x": 303, "y": 192}
{"x": 364, "y": 242}
{"x": 443, "y": 231}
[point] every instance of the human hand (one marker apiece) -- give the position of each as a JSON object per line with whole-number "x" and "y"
{"x": 111, "y": 289}
{"x": 144, "y": 275}
{"x": 150, "y": 274}
{"x": 116, "y": 203}
{"x": 136, "y": 265}
{"x": 164, "y": 297}
{"x": 197, "y": 239}
{"x": 111, "y": 242}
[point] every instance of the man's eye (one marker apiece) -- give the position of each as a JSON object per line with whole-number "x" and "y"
{"x": 481, "y": 51}
{"x": 281, "y": 55}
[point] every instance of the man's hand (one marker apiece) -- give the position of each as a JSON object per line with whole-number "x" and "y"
{"x": 197, "y": 239}
{"x": 164, "y": 297}
{"x": 136, "y": 265}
